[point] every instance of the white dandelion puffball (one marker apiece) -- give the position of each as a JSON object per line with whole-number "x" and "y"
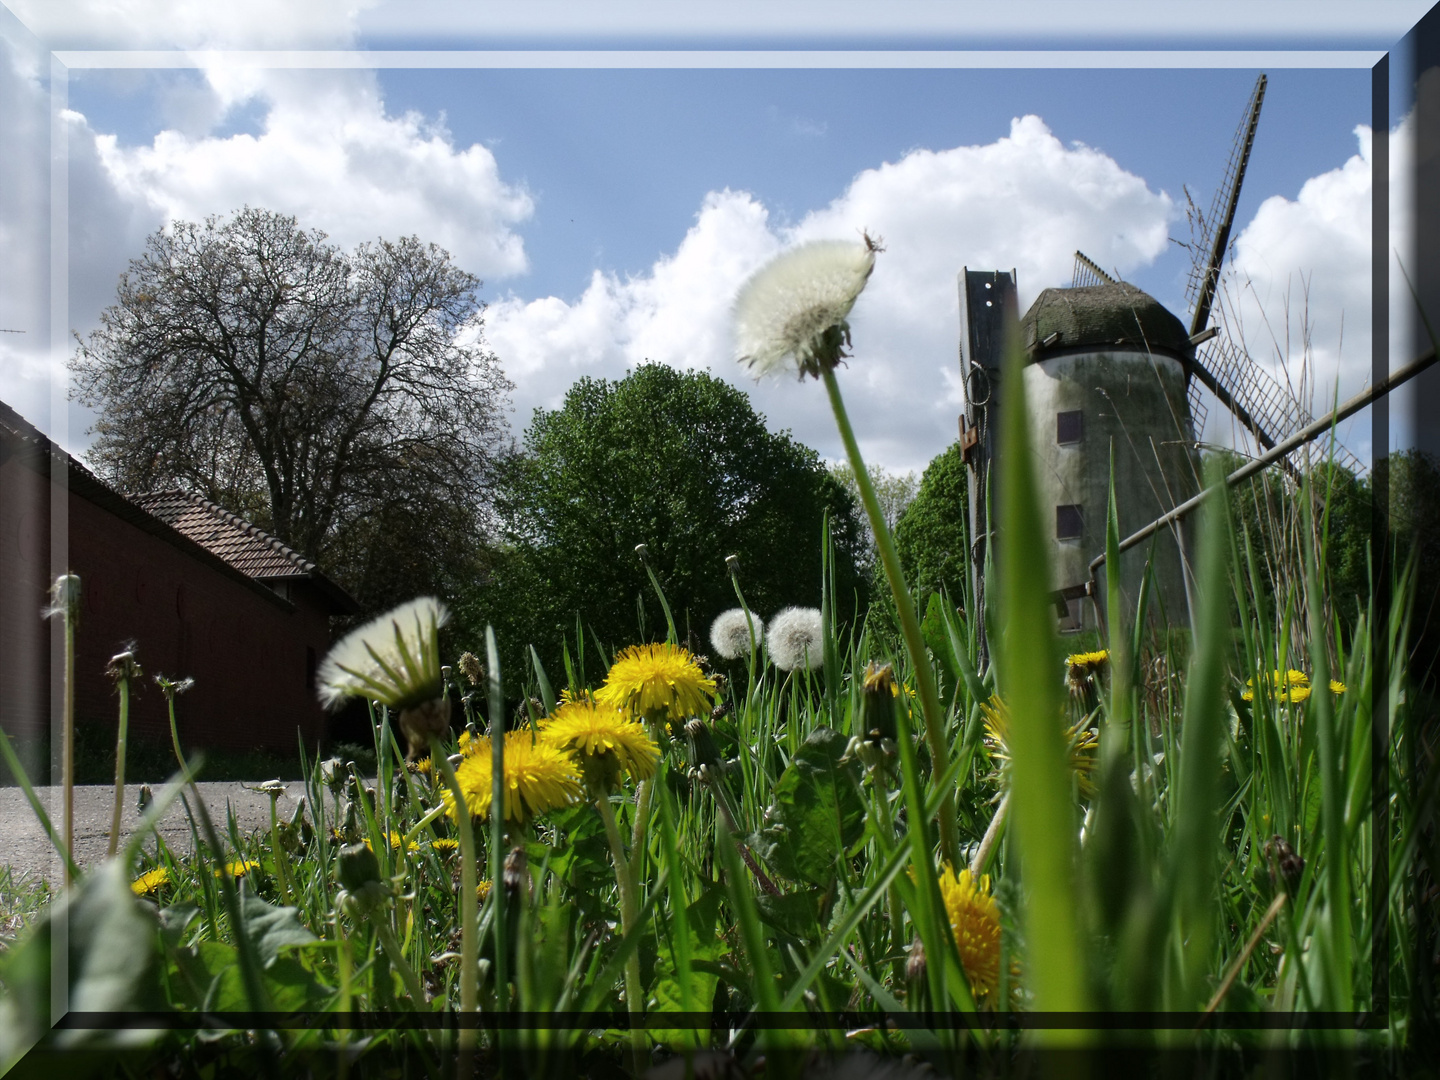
{"x": 731, "y": 630}
{"x": 795, "y": 639}
{"x": 794, "y": 307}
{"x": 393, "y": 660}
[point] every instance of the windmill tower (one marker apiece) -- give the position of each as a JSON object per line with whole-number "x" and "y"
{"x": 1108, "y": 366}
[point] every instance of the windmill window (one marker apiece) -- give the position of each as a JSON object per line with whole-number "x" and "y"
{"x": 1068, "y": 522}
{"x": 1069, "y": 427}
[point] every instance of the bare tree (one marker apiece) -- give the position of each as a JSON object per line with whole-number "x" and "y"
{"x": 317, "y": 391}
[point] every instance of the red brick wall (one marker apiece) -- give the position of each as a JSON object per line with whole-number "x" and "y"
{"x": 247, "y": 653}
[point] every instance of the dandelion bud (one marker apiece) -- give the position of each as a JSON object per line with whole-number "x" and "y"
{"x": 123, "y": 666}
{"x": 1286, "y": 867}
{"x": 877, "y": 703}
{"x": 146, "y": 797}
{"x": 516, "y": 875}
{"x": 642, "y": 551}
{"x": 732, "y": 564}
{"x": 915, "y": 963}
{"x": 424, "y": 722}
{"x": 356, "y": 867}
{"x": 471, "y": 668}
{"x": 332, "y": 774}
{"x": 64, "y": 598}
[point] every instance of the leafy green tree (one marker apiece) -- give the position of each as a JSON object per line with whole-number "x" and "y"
{"x": 680, "y": 462}
{"x": 932, "y": 536}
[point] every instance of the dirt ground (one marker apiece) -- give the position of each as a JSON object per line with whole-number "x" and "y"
{"x": 27, "y": 850}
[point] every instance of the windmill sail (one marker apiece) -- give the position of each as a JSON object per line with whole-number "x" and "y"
{"x": 1268, "y": 410}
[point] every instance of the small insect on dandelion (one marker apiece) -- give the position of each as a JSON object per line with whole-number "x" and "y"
{"x": 796, "y": 639}
{"x": 792, "y": 312}
{"x": 394, "y": 661}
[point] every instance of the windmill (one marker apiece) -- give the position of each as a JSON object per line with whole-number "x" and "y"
{"x": 1110, "y": 374}
{"x": 1262, "y": 406}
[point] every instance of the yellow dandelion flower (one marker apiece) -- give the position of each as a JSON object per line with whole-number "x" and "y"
{"x": 1081, "y": 668}
{"x": 150, "y": 881}
{"x": 425, "y": 767}
{"x": 1292, "y": 686}
{"x": 975, "y": 923}
{"x": 1080, "y": 743}
{"x": 646, "y": 680}
{"x": 395, "y": 840}
{"x": 482, "y": 890}
{"x": 239, "y": 868}
{"x": 1337, "y": 687}
{"x": 605, "y": 743}
{"x": 445, "y": 844}
{"x": 538, "y": 777}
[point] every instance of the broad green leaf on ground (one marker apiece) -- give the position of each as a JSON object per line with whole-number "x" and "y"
{"x": 112, "y": 945}
{"x": 272, "y": 928}
{"x": 817, "y": 811}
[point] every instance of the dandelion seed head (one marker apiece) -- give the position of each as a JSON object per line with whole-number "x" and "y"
{"x": 731, "y": 630}
{"x": 793, "y": 310}
{"x": 393, "y": 660}
{"x": 796, "y": 639}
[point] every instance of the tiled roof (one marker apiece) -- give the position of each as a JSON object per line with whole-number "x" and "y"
{"x": 248, "y": 548}
{"x": 22, "y": 442}
{"x": 205, "y": 531}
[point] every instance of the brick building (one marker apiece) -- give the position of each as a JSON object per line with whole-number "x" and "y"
{"x": 200, "y": 591}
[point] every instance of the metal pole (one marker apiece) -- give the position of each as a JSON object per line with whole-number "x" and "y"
{"x": 1250, "y": 468}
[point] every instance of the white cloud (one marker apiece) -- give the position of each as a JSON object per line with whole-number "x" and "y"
{"x": 139, "y": 24}
{"x": 1025, "y": 201}
{"x": 1299, "y": 295}
{"x": 329, "y": 154}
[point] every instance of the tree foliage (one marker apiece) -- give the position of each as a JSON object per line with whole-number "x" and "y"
{"x": 931, "y": 537}
{"x": 343, "y": 401}
{"x": 680, "y": 462}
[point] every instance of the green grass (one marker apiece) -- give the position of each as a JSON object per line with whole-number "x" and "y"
{"x": 1151, "y": 893}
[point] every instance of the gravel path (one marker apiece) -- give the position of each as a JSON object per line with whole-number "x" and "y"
{"x": 27, "y": 850}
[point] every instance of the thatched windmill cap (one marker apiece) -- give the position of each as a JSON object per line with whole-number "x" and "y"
{"x": 1102, "y": 317}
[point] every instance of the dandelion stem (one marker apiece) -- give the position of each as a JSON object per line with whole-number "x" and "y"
{"x": 399, "y": 963}
{"x": 120, "y": 737}
{"x": 634, "y": 995}
{"x": 992, "y": 834}
{"x": 469, "y": 901}
{"x": 909, "y": 627}
{"x": 282, "y": 869}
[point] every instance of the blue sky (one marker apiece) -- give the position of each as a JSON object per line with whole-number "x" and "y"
{"x": 619, "y": 161}
{"x": 612, "y": 213}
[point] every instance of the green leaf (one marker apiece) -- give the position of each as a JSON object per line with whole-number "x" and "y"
{"x": 936, "y": 632}
{"x": 273, "y": 928}
{"x": 112, "y": 938}
{"x": 817, "y": 814}
{"x": 796, "y": 913}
